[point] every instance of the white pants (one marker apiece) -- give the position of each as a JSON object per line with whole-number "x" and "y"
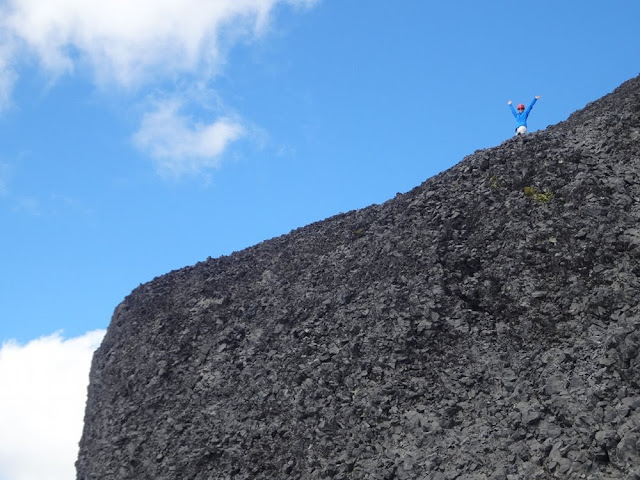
{"x": 521, "y": 130}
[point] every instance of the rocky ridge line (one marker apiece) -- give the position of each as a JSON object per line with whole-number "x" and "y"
{"x": 482, "y": 326}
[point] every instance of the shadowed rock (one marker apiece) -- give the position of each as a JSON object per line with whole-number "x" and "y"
{"x": 482, "y": 326}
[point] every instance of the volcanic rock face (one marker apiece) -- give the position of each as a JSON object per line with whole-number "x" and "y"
{"x": 483, "y": 325}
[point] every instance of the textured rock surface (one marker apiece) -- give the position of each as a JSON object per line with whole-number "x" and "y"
{"x": 481, "y": 326}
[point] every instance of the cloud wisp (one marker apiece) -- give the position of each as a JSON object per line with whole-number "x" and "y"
{"x": 44, "y": 391}
{"x": 128, "y": 42}
{"x": 136, "y": 45}
{"x": 181, "y": 146}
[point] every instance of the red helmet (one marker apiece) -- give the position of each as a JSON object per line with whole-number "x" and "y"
{"x": 521, "y": 107}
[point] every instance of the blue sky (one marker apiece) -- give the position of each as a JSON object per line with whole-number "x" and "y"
{"x": 141, "y": 137}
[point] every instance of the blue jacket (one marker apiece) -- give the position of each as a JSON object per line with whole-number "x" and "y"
{"x": 521, "y": 118}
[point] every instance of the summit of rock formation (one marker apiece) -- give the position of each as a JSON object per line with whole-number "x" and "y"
{"x": 484, "y": 325}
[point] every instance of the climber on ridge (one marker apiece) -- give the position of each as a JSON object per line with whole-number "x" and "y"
{"x": 521, "y": 115}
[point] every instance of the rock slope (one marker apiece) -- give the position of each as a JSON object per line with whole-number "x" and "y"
{"x": 482, "y": 326}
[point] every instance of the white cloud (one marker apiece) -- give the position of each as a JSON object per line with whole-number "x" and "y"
{"x": 135, "y": 45}
{"x": 179, "y": 145}
{"x": 44, "y": 390}
{"x": 126, "y": 40}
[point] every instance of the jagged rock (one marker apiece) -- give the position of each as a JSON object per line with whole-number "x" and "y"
{"x": 482, "y": 326}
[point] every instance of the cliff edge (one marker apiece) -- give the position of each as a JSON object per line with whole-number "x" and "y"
{"x": 483, "y": 325}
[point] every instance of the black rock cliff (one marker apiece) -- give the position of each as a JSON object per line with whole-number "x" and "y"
{"x": 482, "y": 326}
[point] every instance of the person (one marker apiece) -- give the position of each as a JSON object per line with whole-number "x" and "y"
{"x": 522, "y": 114}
